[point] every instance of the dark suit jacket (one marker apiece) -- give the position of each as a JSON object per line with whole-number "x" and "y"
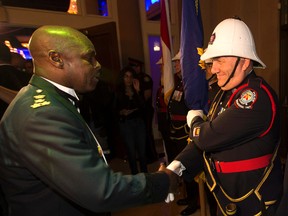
{"x": 50, "y": 164}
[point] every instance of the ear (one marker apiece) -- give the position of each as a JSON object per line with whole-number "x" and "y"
{"x": 247, "y": 63}
{"x": 56, "y": 59}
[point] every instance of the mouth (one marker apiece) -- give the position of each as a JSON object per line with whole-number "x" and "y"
{"x": 95, "y": 74}
{"x": 220, "y": 75}
{"x": 94, "y": 78}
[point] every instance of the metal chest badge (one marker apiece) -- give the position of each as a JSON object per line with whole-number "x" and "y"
{"x": 177, "y": 95}
{"x": 247, "y": 99}
{"x": 196, "y": 132}
{"x": 39, "y": 100}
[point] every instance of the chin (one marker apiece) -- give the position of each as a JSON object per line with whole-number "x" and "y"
{"x": 86, "y": 89}
{"x": 91, "y": 88}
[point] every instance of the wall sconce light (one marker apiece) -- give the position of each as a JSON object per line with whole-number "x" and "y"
{"x": 156, "y": 47}
{"x": 73, "y": 9}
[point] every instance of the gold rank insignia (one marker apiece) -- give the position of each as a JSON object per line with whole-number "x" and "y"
{"x": 39, "y": 100}
{"x": 100, "y": 150}
{"x": 196, "y": 132}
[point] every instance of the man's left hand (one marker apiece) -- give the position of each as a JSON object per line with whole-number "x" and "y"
{"x": 192, "y": 114}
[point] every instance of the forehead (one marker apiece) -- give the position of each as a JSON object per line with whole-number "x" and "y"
{"x": 128, "y": 73}
{"x": 224, "y": 58}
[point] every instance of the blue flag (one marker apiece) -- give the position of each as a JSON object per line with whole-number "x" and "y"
{"x": 191, "y": 47}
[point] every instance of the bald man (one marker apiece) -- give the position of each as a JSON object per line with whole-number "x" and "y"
{"x": 50, "y": 163}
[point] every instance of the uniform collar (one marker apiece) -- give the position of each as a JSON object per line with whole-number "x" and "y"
{"x": 69, "y": 91}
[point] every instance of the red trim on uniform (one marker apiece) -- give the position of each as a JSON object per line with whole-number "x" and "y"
{"x": 273, "y": 110}
{"x": 178, "y": 117}
{"x": 273, "y": 105}
{"x": 235, "y": 92}
{"x": 243, "y": 165}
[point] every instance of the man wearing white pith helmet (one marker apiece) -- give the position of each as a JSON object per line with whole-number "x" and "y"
{"x": 239, "y": 139}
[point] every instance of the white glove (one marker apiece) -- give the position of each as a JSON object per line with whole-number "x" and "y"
{"x": 169, "y": 198}
{"x": 192, "y": 114}
{"x": 176, "y": 167}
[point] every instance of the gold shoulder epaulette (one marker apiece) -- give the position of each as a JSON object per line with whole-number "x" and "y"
{"x": 39, "y": 99}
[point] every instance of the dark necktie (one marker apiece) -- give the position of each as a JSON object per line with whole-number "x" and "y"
{"x": 69, "y": 97}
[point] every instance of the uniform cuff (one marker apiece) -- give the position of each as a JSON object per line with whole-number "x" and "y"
{"x": 176, "y": 167}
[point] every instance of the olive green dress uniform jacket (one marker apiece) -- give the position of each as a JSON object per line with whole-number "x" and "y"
{"x": 50, "y": 164}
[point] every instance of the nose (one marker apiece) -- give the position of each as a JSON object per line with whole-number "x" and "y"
{"x": 97, "y": 66}
{"x": 214, "y": 67}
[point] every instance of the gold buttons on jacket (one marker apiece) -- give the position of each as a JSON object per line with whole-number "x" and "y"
{"x": 231, "y": 209}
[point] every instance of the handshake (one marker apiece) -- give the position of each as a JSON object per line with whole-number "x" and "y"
{"x": 174, "y": 170}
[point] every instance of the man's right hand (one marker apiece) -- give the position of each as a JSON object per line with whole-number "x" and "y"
{"x": 174, "y": 178}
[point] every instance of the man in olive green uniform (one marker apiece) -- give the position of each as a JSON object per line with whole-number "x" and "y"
{"x": 50, "y": 163}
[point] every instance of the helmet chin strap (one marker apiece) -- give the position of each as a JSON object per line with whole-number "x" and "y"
{"x": 233, "y": 72}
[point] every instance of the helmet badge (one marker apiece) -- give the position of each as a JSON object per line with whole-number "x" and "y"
{"x": 212, "y": 38}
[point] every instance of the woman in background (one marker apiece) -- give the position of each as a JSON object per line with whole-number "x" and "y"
{"x": 130, "y": 104}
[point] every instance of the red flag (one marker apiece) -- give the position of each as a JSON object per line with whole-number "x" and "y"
{"x": 168, "y": 75}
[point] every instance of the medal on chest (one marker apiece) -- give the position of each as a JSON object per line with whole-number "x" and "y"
{"x": 177, "y": 95}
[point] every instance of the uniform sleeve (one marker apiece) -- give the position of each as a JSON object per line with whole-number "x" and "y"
{"x": 191, "y": 158}
{"x": 59, "y": 150}
{"x": 249, "y": 115}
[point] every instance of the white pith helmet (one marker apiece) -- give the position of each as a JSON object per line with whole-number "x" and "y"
{"x": 232, "y": 37}
{"x": 209, "y": 60}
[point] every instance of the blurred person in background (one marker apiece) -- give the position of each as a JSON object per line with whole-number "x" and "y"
{"x": 146, "y": 87}
{"x": 163, "y": 119}
{"x": 130, "y": 107}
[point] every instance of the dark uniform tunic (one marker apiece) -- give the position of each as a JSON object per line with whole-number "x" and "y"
{"x": 164, "y": 124}
{"x": 179, "y": 131}
{"x": 213, "y": 88}
{"x": 239, "y": 141}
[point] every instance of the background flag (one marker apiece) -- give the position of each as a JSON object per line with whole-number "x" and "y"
{"x": 191, "y": 47}
{"x": 168, "y": 74}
